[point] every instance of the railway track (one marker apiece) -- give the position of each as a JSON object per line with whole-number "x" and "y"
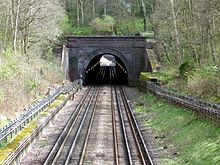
{"x": 101, "y": 130}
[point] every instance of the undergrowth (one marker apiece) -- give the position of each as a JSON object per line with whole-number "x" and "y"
{"x": 23, "y": 79}
{"x": 188, "y": 140}
{"x": 202, "y": 83}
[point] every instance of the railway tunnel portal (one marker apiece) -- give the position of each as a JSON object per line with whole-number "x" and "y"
{"x": 107, "y": 59}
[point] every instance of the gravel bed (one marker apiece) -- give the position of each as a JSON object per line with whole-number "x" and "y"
{"x": 134, "y": 95}
{"x": 41, "y": 146}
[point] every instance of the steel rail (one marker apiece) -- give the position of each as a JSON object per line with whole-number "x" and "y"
{"x": 33, "y": 110}
{"x": 145, "y": 155}
{"x": 23, "y": 145}
{"x": 132, "y": 128}
{"x": 54, "y": 152}
{"x": 79, "y": 128}
{"x": 88, "y": 132}
{"x": 69, "y": 132}
{"x": 114, "y": 129}
{"x": 123, "y": 128}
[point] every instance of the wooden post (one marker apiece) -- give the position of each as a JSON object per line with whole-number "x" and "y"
{"x": 6, "y": 139}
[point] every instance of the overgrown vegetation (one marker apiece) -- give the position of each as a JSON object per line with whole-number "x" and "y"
{"x": 201, "y": 82}
{"x": 185, "y": 138}
{"x": 108, "y": 17}
{"x": 24, "y": 79}
{"x": 27, "y": 66}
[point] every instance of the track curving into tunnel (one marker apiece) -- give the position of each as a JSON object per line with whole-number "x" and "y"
{"x": 106, "y": 69}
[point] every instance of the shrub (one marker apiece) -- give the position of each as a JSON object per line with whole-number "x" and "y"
{"x": 65, "y": 25}
{"x": 30, "y": 85}
{"x": 205, "y": 83}
{"x": 184, "y": 69}
{"x": 129, "y": 26}
{"x": 103, "y": 25}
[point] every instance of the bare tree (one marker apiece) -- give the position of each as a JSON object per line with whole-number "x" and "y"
{"x": 16, "y": 25}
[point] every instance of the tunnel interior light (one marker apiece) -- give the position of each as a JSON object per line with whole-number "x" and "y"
{"x": 107, "y": 60}
{"x": 106, "y": 68}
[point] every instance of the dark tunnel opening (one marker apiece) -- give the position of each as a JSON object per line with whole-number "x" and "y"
{"x": 106, "y": 69}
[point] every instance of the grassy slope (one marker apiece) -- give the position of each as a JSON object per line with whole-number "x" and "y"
{"x": 22, "y": 80}
{"x": 202, "y": 83}
{"x": 189, "y": 140}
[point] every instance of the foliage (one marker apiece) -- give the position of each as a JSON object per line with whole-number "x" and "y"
{"x": 6, "y": 53}
{"x": 30, "y": 85}
{"x": 65, "y": 25}
{"x": 178, "y": 133}
{"x": 81, "y": 31}
{"x": 103, "y": 25}
{"x": 184, "y": 69}
{"x": 9, "y": 67}
{"x": 187, "y": 30}
{"x": 130, "y": 26}
{"x": 103, "y": 15}
{"x": 205, "y": 83}
{"x": 164, "y": 77}
{"x": 23, "y": 79}
{"x": 68, "y": 28}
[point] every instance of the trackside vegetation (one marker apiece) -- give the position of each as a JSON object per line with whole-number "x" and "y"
{"x": 6, "y": 150}
{"x": 185, "y": 138}
{"x": 200, "y": 82}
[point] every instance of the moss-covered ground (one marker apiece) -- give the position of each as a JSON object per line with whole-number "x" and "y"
{"x": 8, "y": 148}
{"x": 189, "y": 140}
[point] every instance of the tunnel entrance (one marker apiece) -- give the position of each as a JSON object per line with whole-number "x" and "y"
{"x": 106, "y": 69}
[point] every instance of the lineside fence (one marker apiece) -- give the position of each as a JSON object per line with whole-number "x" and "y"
{"x": 203, "y": 109}
{"x": 32, "y": 111}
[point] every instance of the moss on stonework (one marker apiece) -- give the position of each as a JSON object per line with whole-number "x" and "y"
{"x": 10, "y": 147}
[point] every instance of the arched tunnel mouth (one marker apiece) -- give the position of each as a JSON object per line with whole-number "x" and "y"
{"x": 106, "y": 69}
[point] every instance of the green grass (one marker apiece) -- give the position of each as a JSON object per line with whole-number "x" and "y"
{"x": 195, "y": 141}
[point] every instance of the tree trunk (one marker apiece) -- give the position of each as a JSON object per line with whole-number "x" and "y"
{"x": 144, "y": 14}
{"x": 211, "y": 38}
{"x": 93, "y": 9}
{"x": 16, "y": 27}
{"x": 82, "y": 11}
{"x": 166, "y": 51}
{"x": 176, "y": 32}
{"x": 105, "y": 8}
{"x": 78, "y": 16}
{"x": 6, "y": 32}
